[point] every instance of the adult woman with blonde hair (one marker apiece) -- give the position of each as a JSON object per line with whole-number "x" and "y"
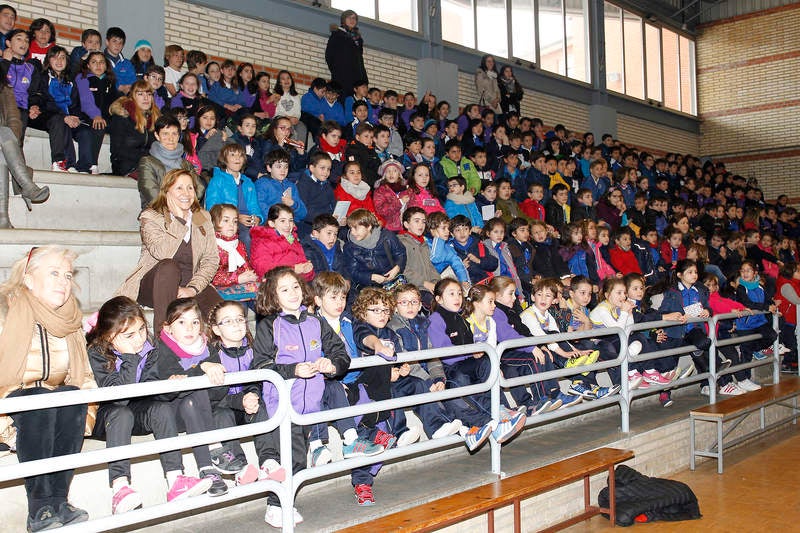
{"x": 131, "y": 129}
{"x": 179, "y": 251}
{"x": 43, "y": 350}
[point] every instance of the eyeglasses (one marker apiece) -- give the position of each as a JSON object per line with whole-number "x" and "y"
{"x": 228, "y": 322}
{"x": 407, "y": 302}
{"x": 284, "y": 128}
{"x": 379, "y": 311}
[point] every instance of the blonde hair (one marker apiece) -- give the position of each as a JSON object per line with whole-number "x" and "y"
{"x": 141, "y": 120}
{"x": 30, "y": 262}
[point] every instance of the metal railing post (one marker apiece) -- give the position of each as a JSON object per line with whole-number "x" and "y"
{"x": 776, "y": 352}
{"x": 625, "y": 392}
{"x": 495, "y": 397}
{"x": 712, "y": 359}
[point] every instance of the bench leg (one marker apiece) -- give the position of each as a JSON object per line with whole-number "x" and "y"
{"x": 691, "y": 444}
{"x": 720, "y": 446}
{"x": 517, "y": 517}
{"x": 612, "y": 497}
{"x": 490, "y": 519}
{"x": 587, "y": 499}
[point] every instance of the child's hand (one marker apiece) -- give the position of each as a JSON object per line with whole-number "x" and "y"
{"x": 247, "y": 276}
{"x": 674, "y": 317}
{"x": 178, "y": 376}
{"x": 471, "y": 257}
{"x": 303, "y": 268}
{"x": 704, "y": 313}
{"x": 661, "y": 335}
{"x": 437, "y": 387}
{"x": 305, "y": 370}
{"x": 477, "y": 355}
{"x": 214, "y": 371}
{"x": 498, "y": 213}
{"x": 539, "y": 355}
{"x": 250, "y": 403}
{"x": 387, "y": 350}
{"x": 627, "y": 306}
{"x": 395, "y": 374}
{"x": 325, "y": 366}
{"x": 405, "y": 369}
{"x": 393, "y": 273}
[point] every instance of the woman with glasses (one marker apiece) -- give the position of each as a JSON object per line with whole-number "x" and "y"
{"x": 279, "y": 135}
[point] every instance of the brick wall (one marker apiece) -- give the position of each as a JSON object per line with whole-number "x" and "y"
{"x": 748, "y": 74}
{"x": 654, "y": 137}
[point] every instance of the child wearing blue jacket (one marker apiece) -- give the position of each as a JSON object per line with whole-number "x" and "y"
{"x": 229, "y": 186}
{"x": 461, "y": 202}
{"x": 273, "y": 187}
{"x": 480, "y": 264}
{"x": 754, "y": 293}
{"x": 442, "y": 254}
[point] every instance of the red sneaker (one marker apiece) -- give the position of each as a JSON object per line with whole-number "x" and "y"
{"x": 387, "y": 440}
{"x": 364, "y": 495}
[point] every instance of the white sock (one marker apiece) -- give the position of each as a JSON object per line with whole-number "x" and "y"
{"x": 119, "y": 483}
{"x": 350, "y": 436}
{"x": 650, "y": 370}
{"x": 314, "y": 444}
{"x": 172, "y": 476}
{"x": 215, "y": 446}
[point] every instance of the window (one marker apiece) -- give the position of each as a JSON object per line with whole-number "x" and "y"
{"x": 551, "y": 37}
{"x": 672, "y": 74}
{"x": 576, "y": 20}
{"x": 458, "y": 22}
{"x": 634, "y": 64}
{"x": 492, "y": 27}
{"x": 615, "y": 66}
{"x": 402, "y": 13}
{"x": 688, "y": 88}
{"x": 652, "y": 47}
{"x": 523, "y": 30}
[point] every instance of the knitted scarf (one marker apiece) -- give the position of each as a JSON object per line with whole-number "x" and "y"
{"x": 359, "y": 192}
{"x": 230, "y": 245}
{"x": 171, "y": 159}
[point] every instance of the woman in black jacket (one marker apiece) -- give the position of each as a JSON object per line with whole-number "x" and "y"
{"x": 345, "y": 54}
{"x": 131, "y": 128}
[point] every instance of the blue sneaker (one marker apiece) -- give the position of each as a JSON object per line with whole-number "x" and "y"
{"x": 508, "y": 427}
{"x": 477, "y": 436}
{"x": 579, "y": 389}
{"x": 541, "y": 407}
{"x": 361, "y": 448}
{"x": 602, "y": 392}
{"x": 759, "y": 355}
{"x": 321, "y": 456}
{"x": 569, "y": 401}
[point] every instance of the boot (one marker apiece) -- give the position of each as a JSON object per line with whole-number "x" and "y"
{"x": 5, "y": 223}
{"x": 21, "y": 172}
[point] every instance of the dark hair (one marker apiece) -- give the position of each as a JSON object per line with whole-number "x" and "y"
{"x": 109, "y": 71}
{"x": 38, "y": 24}
{"x": 278, "y": 89}
{"x": 251, "y": 86}
{"x": 165, "y": 121}
{"x": 85, "y": 34}
{"x": 114, "y": 31}
{"x": 180, "y": 306}
{"x": 277, "y": 156}
{"x": 267, "y": 298}
{"x": 483, "y": 63}
{"x": 276, "y": 210}
{"x": 680, "y": 267}
{"x": 211, "y": 321}
{"x": 516, "y": 223}
{"x": 64, "y": 77}
{"x": 316, "y": 157}
{"x": 323, "y": 221}
{"x": 412, "y": 180}
{"x": 476, "y": 293}
{"x": 439, "y": 289}
{"x": 329, "y": 126}
{"x": 459, "y": 221}
{"x": 195, "y": 57}
{"x": 333, "y": 87}
{"x": 234, "y": 80}
{"x": 200, "y": 112}
{"x": 411, "y": 211}
{"x": 217, "y": 210}
{"x": 113, "y": 317}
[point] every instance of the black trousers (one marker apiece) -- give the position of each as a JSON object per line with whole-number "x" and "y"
{"x": 267, "y": 444}
{"x": 46, "y": 433}
{"x": 116, "y": 423}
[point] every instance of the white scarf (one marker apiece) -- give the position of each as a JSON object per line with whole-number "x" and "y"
{"x": 358, "y": 192}
{"x": 461, "y": 199}
{"x": 235, "y": 259}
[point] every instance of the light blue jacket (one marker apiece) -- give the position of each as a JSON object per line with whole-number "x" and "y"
{"x": 468, "y": 210}
{"x": 270, "y": 192}
{"x": 222, "y": 189}
{"x": 443, "y": 255}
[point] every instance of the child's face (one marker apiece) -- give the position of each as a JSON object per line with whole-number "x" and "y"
{"x": 331, "y": 304}
{"x": 543, "y": 299}
{"x": 418, "y": 123}
{"x": 675, "y": 240}
{"x": 365, "y": 138}
{"x": 390, "y": 101}
{"x": 485, "y": 305}
{"x": 189, "y": 86}
{"x": 461, "y": 234}
{"x": 636, "y": 290}
{"x": 454, "y": 153}
{"x": 391, "y": 175}
{"x": 512, "y": 160}
{"x": 361, "y": 113}
{"x": 408, "y": 304}
{"x": 586, "y": 199}
{"x": 97, "y": 65}
{"x": 689, "y": 276}
{"x": 176, "y": 60}
{"x": 59, "y": 62}
{"x": 322, "y": 170}
{"x": 278, "y": 170}
{"x": 441, "y": 231}
{"x": 332, "y": 137}
{"x": 115, "y": 45}
{"x": 507, "y": 296}
{"x": 515, "y": 143}
{"x": 330, "y": 96}
{"x": 231, "y": 325}
{"x": 536, "y": 194}
{"x": 576, "y": 236}
{"x": 712, "y": 285}
{"x": 497, "y": 233}
{"x": 374, "y": 97}
{"x": 19, "y": 44}
{"x": 451, "y": 130}
{"x": 187, "y": 328}
{"x": 234, "y": 161}
{"x": 92, "y": 43}
{"x": 247, "y": 127}
{"x": 617, "y": 295}
{"x": 207, "y": 120}
{"x": 382, "y": 140}
{"x": 451, "y": 297}
{"x": 284, "y": 223}
{"x": 766, "y": 241}
{"x": 504, "y": 191}
{"x": 428, "y": 149}
{"x": 539, "y": 233}
{"x": 155, "y": 80}
{"x": 624, "y": 242}
{"x": 327, "y": 236}
{"x": 490, "y": 193}
{"x": 752, "y": 238}
{"x": 651, "y": 237}
{"x": 455, "y": 187}
{"x": 522, "y": 233}
{"x": 228, "y": 223}
{"x": 289, "y": 294}
{"x": 551, "y": 166}
{"x": 414, "y": 147}
{"x": 132, "y": 338}
{"x": 360, "y": 232}
{"x": 581, "y": 294}
{"x": 561, "y": 196}
{"x": 603, "y": 237}
{"x": 479, "y": 159}
{"x": 353, "y": 174}
{"x": 422, "y": 176}
{"x": 415, "y": 225}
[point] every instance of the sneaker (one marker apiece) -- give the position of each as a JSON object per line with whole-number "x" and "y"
{"x": 408, "y": 437}
{"x": 783, "y": 349}
{"x": 124, "y": 500}
{"x": 665, "y": 399}
{"x": 725, "y": 363}
{"x": 226, "y": 461}
{"x": 218, "y": 486}
{"x": 568, "y": 401}
{"x": 705, "y": 391}
{"x": 542, "y": 406}
{"x": 188, "y": 486}
{"x": 508, "y": 427}
{"x": 760, "y": 355}
{"x": 576, "y": 361}
{"x": 477, "y": 436}
{"x": 59, "y": 166}
{"x": 447, "y": 429}
{"x": 274, "y": 516}
{"x": 731, "y": 390}
{"x": 248, "y": 475}
{"x": 361, "y": 447}
{"x": 655, "y": 378}
{"x": 321, "y": 456}
{"x": 387, "y": 440}
{"x": 635, "y": 380}
{"x": 69, "y": 514}
{"x": 577, "y": 388}
{"x": 788, "y": 368}
{"x": 45, "y": 518}
{"x": 94, "y": 170}
{"x": 602, "y": 392}
{"x": 686, "y": 373}
{"x": 555, "y": 403}
{"x": 272, "y": 469}
{"x": 768, "y": 352}
{"x": 364, "y": 495}
{"x": 72, "y": 170}
{"x": 635, "y": 348}
{"x": 748, "y": 385}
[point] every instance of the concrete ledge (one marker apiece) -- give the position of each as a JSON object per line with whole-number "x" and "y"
{"x": 36, "y": 148}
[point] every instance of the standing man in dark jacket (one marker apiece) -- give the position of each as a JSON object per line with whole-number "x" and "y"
{"x": 345, "y": 54}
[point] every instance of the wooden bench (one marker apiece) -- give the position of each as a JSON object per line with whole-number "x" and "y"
{"x": 737, "y": 409}
{"x": 509, "y": 491}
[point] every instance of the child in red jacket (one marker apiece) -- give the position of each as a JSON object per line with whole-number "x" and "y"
{"x": 532, "y": 206}
{"x": 278, "y": 245}
{"x": 672, "y": 249}
{"x": 235, "y": 275}
{"x": 622, "y": 257}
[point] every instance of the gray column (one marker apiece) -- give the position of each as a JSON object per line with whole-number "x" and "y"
{"x": 142, "y": 19}
{"x": 602, "y": 117}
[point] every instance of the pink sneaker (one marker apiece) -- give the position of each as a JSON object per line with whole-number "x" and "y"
{"x": 655, "y": 378}
{"x": 635, "y": 380}
{"x": 187, "y": 486}
{"x": 272, "y": 469}
{"x": 247, "y": 475}
{"x": 124, "y": 500}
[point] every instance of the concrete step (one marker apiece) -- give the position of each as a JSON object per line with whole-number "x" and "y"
{"x": 105, "y": 257}
{"x": 36, "y": 148}
{"x": 80, "y": 202}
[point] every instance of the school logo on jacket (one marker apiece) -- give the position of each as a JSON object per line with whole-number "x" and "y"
{"x": 454, "y": 334}
{"x": 314, "y": 345}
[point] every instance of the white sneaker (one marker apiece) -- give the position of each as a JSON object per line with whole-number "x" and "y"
{"x": 731, "y": 390}
{"x": 783, "y": 349}
{"x": 409, "y": 437}
{"x": 748, "y": 385}
{"x": 704, "y": 390}
{"x": 94, "y": 170}
{"x": 274, "y": 516}
{"x": 635, "y": 348}
{"x": 450, "y": 428}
